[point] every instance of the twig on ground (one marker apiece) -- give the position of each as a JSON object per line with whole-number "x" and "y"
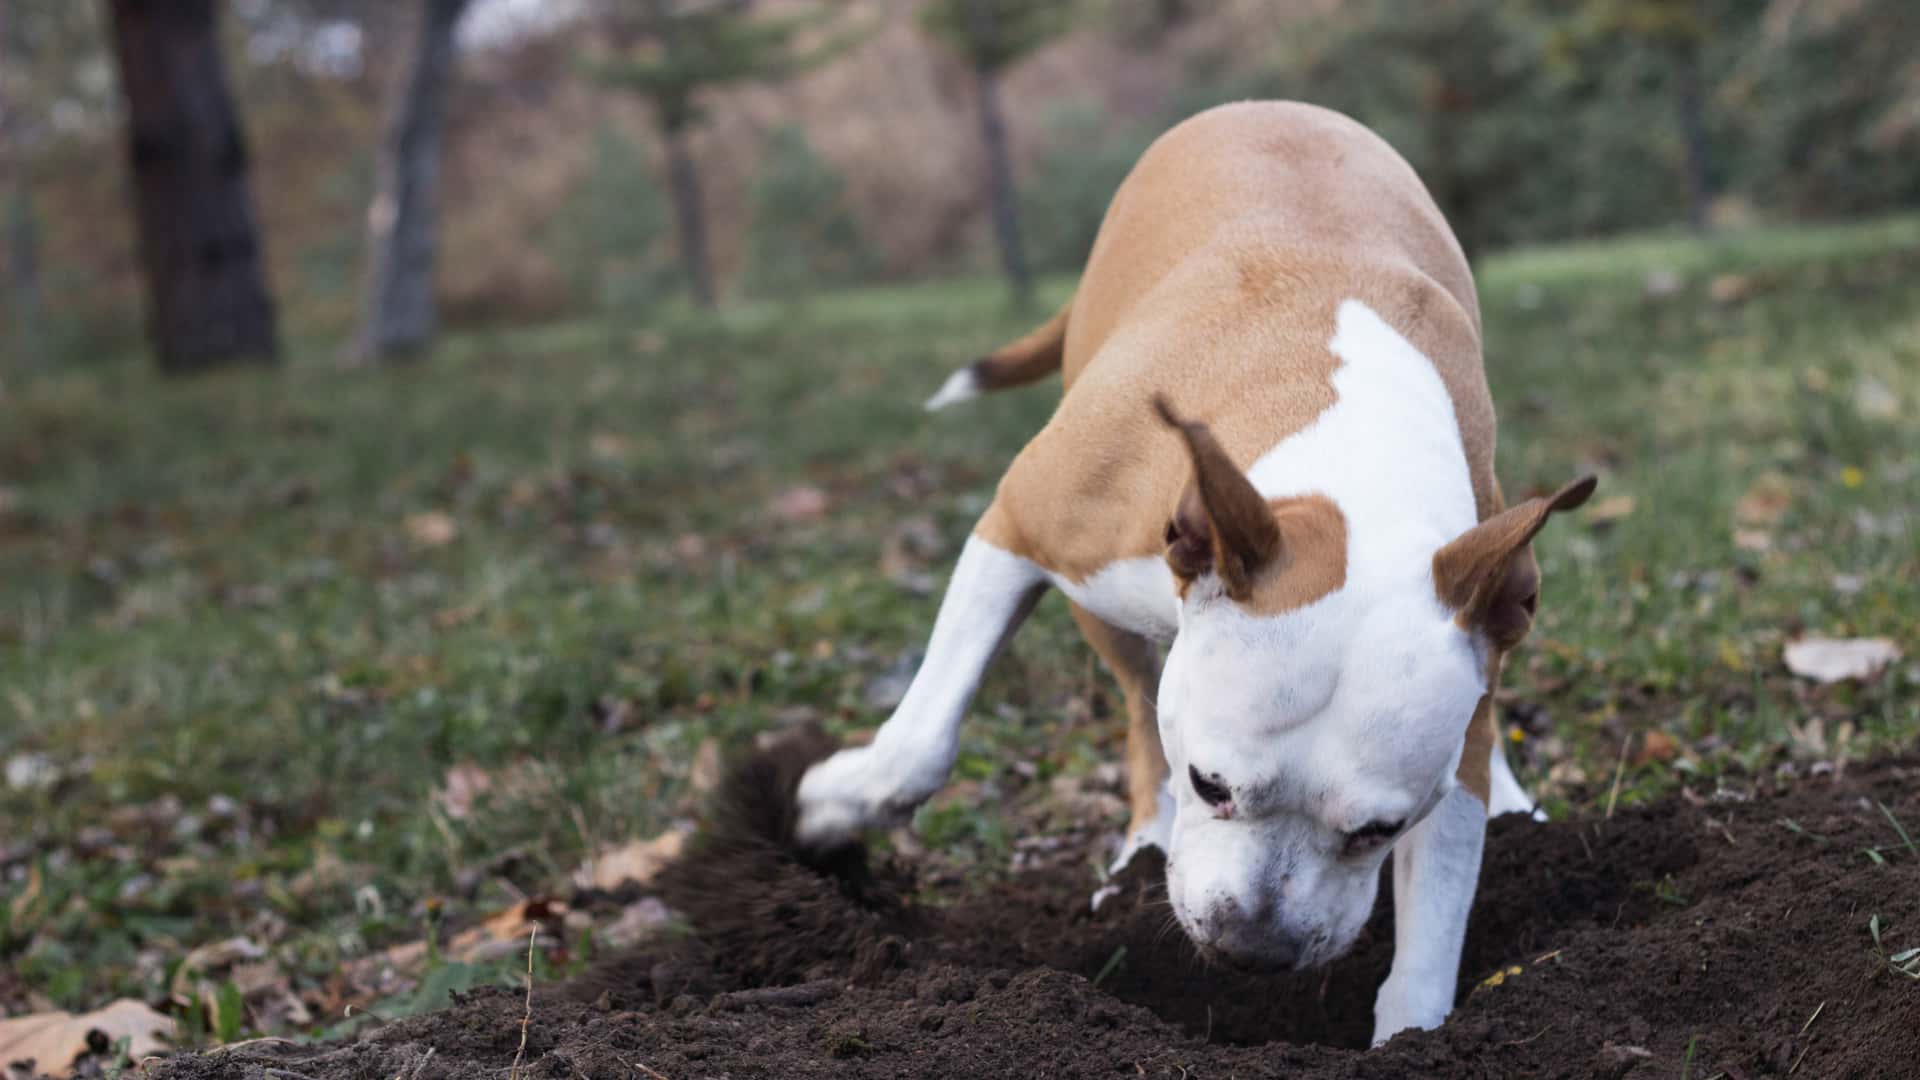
{"x": 526, "y": 1018}
{"x": 1897, "y": 827}
{"x": 651, "y": 1072}
{"x": 1619, "y": 770}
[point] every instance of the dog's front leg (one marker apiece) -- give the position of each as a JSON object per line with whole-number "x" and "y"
{"x": 1436, "y": 867}
{"x": 881, "y": 783}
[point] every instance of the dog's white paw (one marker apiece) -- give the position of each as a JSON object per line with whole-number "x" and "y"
{"x": 1410, "y": 1003}
{"x": 1157, "y": 833}
{"x": 845, "y": 796}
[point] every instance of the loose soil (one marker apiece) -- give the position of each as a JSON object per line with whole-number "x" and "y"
{"x": 1698, "y": 937}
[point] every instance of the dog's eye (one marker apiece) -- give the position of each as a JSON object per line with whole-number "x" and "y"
{"x": 1211, "y": 792}
{"x": 1372, "y": 835}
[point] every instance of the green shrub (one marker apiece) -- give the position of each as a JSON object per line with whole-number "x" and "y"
{"x": 612, "y": 238}
{"x": 802, "y": 236}
{"x": 1072, "y": 181}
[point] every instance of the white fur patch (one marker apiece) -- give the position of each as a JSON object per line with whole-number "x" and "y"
{"x": 962, "y": 385}
{"x": 1388, "y": 452}
{"x": 1137, "y": 595}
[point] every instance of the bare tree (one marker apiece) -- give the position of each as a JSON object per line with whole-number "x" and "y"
{"x": 207, "y": 296}
{"x": 669, "y": 51}
{"x": 990, "y": 35}
{"x": 398, "y": 316}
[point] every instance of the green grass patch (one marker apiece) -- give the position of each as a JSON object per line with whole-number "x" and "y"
{"x": 249, "y": 622}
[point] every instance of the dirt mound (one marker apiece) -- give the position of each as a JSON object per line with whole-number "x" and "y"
{"x": 1727, "y": 936}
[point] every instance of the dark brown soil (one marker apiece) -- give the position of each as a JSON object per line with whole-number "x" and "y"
{"x": 1695, "y": 938}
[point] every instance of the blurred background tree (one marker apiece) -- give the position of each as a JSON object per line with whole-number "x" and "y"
{"x": 991, "y": 35}
{"x": 398, "y": 314}
{"x": 670, "y": 51}
{"x": 207, "y": 296}
{"x": 1532, "y": 120}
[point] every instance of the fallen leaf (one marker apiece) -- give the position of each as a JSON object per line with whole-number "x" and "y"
{"x": 803, "y": 503}
{"x": 509, "y": 926}
{"x": 1656, "y": 746}
{"x": 465, "y": 783}
{"x": 704, "y": 776}
{"x": 637, "y": 921}
{"x": 1730, "y": 288}
{"x": 20, "y": 908}
{"x": 56, "y": 1041}
{"x": 450, "y": 618}
{"x": 908, "y": 549}
{"x": 690, "y": 547}
{"x": 1874, "y": 400}
{"x": 1501, "y": 976}
{"x": 1766, "y": 500}
{"x": 637, "y": 861}
{"x": 1830, "y": 660}
{"x": 1611, "y": 509}
{"x": 609, "y": 446}
{"x": 1662, "y": 282}
{"x": 432, "y": 528}
{"x": 31, "y": 772}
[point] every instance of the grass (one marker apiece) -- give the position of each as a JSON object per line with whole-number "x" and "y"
{"x": 249, "y": 622}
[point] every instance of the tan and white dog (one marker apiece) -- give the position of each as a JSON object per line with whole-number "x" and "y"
{"x": 1274, "y": 456}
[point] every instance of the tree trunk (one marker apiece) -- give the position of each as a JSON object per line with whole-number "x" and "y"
{"x": 690, "y": 214}
{"x": 1693, "y": 134}
{"x": 207, "y": 296}
{"x": 23, "y": 281}
{"x": 1006, "y": 219}
{"x": 397, "y": 315}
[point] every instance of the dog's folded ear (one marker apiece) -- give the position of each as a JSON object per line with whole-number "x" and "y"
{"x": 1488, "y": 575}
{"x": 1222, "y": 523}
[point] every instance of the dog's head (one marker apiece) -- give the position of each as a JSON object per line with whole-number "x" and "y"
{"x": 1310, "y": 720}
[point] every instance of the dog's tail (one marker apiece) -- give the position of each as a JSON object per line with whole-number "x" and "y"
{"x": 1032, "y": 357}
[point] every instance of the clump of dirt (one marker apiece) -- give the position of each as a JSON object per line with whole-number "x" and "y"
{"x": 1726, "y": 935}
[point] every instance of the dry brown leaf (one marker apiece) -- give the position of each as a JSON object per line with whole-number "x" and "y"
{"x": 1730, "y": 288}
{"x": 505, "y": 927}
{"x": 453, "y": 617}
{"x": 1656, "y": 746}
{"x": 54, "y": 1041}
{"x": 802, "y": 503}
{"x": 704, "y": 776}
{"x": 432, "y": 528}
{"x": 1830, "y": 660}
{"x": 1766, "y": 500}
{"x": 609, "y": 446}
{"x": 1610, "y": 509}
{"x": 636, "y": 861}
{"x": 464, "y": 785}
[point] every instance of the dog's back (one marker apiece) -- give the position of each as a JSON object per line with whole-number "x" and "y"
{"x": 1215, "y": 281}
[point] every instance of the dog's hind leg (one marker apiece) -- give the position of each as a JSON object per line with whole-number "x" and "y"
{"x": 880, "y": 784}
{"x": 1135, "y": 663}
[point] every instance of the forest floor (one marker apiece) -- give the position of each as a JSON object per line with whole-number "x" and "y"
{"x": 319, "y": 687}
